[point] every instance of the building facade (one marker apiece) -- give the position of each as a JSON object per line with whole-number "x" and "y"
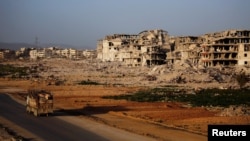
{"x": 185, "y": 48}
{"x": 226, "y": 48}
{"x": 145, "y": 49}
{"x": 40, "y": 53}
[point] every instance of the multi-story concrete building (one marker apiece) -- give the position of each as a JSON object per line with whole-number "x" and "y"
{"x": 40, "y": 53}
{"x": 70, "y": 53}
{"x": 23, "y": 53}
{"x": 1, "y": 55}
{"x": 226, "y": 48}
{"x": 7, "y": 54}
{"x": 185, "y": 48}
{"x": 145, "y": 49}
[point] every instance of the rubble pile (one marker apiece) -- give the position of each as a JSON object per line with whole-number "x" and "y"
{"x": 59, "y": 71}
{"x": 235, "y": 111}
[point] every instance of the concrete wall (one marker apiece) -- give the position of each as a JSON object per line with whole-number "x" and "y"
{"x": 244, "y": 56}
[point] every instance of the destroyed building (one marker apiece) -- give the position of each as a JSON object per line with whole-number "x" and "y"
{"x": 184, "y": 48}
{"x": 145, "y": 49}
{"x": 226, "y": 48}
{"x": 156, "y": 47}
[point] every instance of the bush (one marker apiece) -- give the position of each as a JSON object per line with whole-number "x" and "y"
{"x": 88, "y": 82}
{"x": 241, "y": 79}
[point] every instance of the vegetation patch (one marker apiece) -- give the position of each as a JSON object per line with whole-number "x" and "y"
{"x": 14, "y": 72}
{"x": 241, "y": 79}
{"x": 208, "y": 97}
{"x": 88, "y": 82}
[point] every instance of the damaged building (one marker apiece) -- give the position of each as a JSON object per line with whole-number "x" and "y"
{"x": 144, "y": 49}
{"x": 156, "y": 47}
{"x": 226, "y": 48}
{"x": 185, "y": 48}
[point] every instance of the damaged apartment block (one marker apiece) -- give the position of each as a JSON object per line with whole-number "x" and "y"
{"x": 227, "y": 48}
{"x": 184, "y": 48}
{"x": 145, "y": 49}
{"x": 156, "y": 47}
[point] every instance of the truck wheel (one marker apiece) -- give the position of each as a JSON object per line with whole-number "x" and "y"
{"x": 35, "y": 113}
{"x": 28, "y": 110}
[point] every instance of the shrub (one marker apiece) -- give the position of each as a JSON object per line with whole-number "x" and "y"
{"x": 241, "y": 79}
{"x": 15, "y": 72}
{"x": 88, "y": 82}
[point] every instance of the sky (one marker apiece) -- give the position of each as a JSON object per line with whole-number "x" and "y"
{"x": 81, "y": 23}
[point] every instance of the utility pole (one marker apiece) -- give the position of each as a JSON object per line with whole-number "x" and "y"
{"x": 36, "y": 42}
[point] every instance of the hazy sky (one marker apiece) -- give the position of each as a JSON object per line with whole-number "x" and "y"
{"x": 82, "y": 22}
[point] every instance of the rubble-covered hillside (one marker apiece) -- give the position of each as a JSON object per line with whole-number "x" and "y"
{"x": 64, "y": 71}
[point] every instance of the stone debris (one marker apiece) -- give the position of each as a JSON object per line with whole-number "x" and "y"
{"x": 235, "y": 111}
{"x": 58, "y": 71}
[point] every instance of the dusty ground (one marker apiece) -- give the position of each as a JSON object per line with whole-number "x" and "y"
{"x": 149, "y": 119}
{"x": 143, "y": 118}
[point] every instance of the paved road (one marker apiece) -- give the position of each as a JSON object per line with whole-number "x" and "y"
{"x": 58, "y": 128}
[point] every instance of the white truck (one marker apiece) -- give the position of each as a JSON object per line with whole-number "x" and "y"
{"x": 39, "y": 102}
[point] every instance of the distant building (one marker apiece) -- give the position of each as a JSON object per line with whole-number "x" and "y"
{"x": 70, "y": 53}
{"x": 7, "y": 54}
{"x": 40, "y": 53}
{"x": 23, "y": 53}
{"x": 89, "y": 53}
{"x": 1, "y": 55}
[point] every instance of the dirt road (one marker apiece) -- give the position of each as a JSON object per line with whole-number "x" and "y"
{"x": 60, "y": 126}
